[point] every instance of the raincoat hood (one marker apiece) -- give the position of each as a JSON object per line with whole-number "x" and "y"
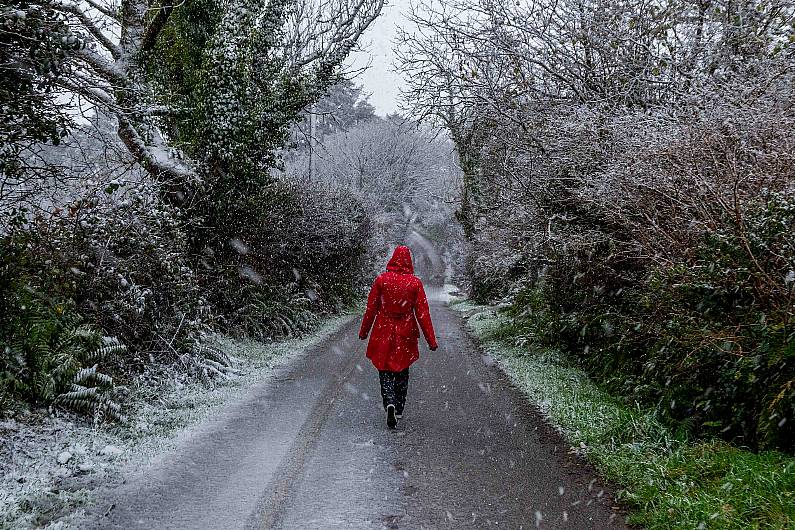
{"x": 401, "y": 261}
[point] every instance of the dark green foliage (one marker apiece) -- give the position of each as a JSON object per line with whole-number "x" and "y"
{"x": 221, "y": 245}
{"x": 48, "y": 355}
{"x": 125, "y": 266}
{"x": 35, "y": 42}
{"x": 709, "y": 341}
{"x": 666, "y": 478}
{"x": 178, "y": 64}
{"x": 269, "y": 256}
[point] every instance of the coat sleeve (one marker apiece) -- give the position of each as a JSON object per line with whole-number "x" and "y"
{"x": 423, "y": 314}
{"x": 373, "y": 306}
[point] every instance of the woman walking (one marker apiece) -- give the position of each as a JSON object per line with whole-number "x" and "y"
{"x": 397, "y": 297}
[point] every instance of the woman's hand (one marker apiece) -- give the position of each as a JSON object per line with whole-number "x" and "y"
{"x": 434, "y": 347}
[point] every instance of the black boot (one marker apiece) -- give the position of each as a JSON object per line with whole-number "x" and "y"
{"x": 391, "y": 420}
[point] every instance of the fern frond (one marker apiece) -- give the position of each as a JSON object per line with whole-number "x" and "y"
{"x": 110, "y": 347}
{"x": 219, "y": 356}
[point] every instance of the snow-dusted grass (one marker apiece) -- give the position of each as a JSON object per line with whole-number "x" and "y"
{"x": 666, "y": 480}
{"x": 38, "y": 491}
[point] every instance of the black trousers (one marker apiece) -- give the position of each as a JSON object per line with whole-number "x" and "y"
{"x": 393, "y": 388}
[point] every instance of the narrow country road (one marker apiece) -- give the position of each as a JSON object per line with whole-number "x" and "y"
{"x": 310, "y": 450}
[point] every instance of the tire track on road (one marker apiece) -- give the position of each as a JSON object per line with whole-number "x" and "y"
{"x": 269, "y": 510}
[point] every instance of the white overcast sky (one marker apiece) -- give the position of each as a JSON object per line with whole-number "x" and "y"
{"x": 380, "y": 79}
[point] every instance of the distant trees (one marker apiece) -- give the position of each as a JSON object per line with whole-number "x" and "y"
{"x": 343, "y": 107}
{"x": 404, "y": 173}
{"x": 628, "y": 174}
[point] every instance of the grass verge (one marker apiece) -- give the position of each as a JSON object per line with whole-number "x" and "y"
{"x": 665, "y": 479}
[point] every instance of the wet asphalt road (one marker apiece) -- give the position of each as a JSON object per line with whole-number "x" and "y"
{"x": 309, "y": 449}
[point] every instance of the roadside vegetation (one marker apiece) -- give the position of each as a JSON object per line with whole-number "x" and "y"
{"x": 666, "y": 477}
{"x": 628, "y": 202}
{"x": 629, "y": 192}
{"x": 141, "y": 209}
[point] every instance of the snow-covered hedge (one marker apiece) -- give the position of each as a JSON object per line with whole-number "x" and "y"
{"x": 629, "y": 180}
{"x": 667, "y": 265}
{"x": 118, "y": 262}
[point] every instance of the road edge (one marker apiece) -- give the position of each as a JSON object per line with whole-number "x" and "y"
{"x": 41, "y": 492}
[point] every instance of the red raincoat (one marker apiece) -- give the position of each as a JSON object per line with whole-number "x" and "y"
{"x": 396, "y": 298}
